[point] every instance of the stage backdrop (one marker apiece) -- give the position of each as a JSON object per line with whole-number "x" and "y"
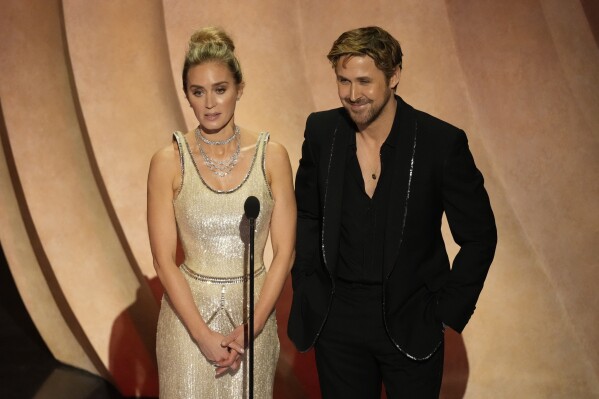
{"x": 90, "y": 90}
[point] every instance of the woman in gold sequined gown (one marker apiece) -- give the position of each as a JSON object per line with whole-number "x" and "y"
{"x": 196, "y": 191}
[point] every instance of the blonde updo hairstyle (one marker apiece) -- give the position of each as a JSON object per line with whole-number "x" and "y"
{"x": 211, "y": 44}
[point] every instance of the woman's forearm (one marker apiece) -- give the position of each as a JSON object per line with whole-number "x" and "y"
{"x": 180, "y": 297}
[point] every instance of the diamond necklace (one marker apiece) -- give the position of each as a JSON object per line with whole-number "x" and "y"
{"x": 220, "y": 168}
{"x": 199, "y": 134}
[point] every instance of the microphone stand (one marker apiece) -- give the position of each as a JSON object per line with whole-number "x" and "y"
{"x": 252, "y": 210}
{"x": 251, "y": 315}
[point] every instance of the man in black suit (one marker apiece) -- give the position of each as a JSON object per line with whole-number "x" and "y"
{"x": 373, "y": 286}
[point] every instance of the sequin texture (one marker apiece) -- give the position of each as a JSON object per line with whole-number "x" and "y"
{"x": 215, "y": 239}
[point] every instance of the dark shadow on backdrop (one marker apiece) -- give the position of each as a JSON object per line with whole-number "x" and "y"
{"x": 27, "y": 367}
{"x": 591, "y": 11}
{"x": 131, "y": 363}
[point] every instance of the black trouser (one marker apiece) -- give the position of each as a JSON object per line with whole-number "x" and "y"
{"x": 354, "y": 354}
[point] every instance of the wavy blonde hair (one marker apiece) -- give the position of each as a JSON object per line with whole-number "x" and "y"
{"x": 370, "y": 41}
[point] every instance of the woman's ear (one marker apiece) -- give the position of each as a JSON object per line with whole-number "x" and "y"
{"x": 240, "y": 87}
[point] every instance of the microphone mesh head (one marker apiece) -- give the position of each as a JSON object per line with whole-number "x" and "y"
{"x": 252, "y": 207}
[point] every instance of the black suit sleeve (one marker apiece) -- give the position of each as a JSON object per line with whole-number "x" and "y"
{"x": 472, "y": 226}
{"x": 308, "y": 211}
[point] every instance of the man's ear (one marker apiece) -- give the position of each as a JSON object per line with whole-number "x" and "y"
{"x": 394, "y": 79}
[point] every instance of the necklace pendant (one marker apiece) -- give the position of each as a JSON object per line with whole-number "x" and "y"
{"x": 374, "y": 176}
{"x": 220, "y": 168}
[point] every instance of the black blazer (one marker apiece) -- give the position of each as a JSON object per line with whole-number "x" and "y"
{"x": 433, "y": 172}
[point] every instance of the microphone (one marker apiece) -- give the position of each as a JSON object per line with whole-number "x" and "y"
{"x": 251, "y": 207}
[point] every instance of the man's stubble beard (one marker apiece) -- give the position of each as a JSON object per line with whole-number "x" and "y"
{"x": 371, "y": 115}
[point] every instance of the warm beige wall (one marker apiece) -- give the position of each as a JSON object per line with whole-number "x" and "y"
{"x": 531, "y": 69}
{"x": 90, "y": 93}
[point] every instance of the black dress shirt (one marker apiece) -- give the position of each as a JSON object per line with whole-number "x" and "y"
{"x": 362, "y": 233}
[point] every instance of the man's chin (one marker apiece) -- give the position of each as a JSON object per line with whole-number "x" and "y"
{"x": 357, "y": 117}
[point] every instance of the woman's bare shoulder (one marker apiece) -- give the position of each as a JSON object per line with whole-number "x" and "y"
{"x": 276, "y": 151}
{"x": 166, "y": 157}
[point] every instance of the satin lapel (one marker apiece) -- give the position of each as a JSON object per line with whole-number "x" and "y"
{"x": 334, "y": 191}
{"x": 402, "y": 165}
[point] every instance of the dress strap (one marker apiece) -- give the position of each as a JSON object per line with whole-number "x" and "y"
{"x": 262, "y": 142}
{"x": 178, "y": 137}
{"x": 261, "y": 156}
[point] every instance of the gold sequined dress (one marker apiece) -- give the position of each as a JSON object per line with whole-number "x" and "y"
{"x": 215, "y": 235}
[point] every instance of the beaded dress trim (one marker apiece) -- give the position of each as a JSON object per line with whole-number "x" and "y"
{"x": 220, "y": 280}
